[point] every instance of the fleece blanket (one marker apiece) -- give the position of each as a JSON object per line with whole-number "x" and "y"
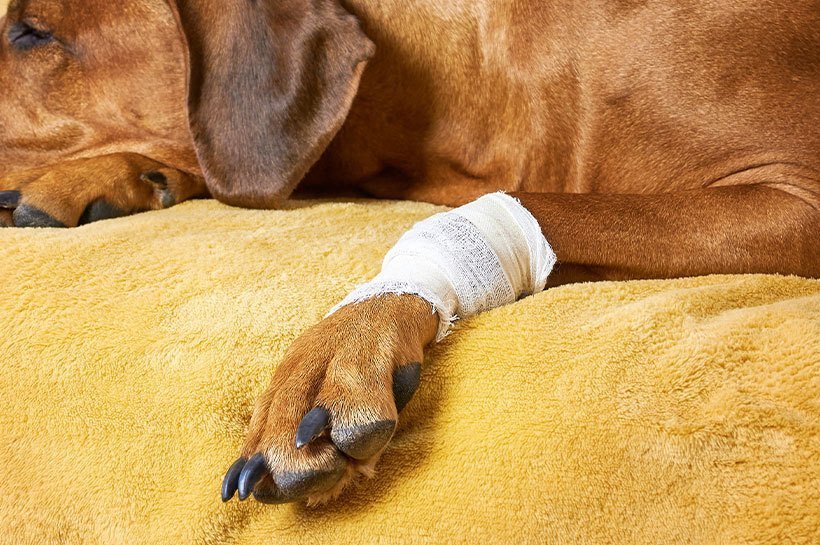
{"x": 683, "y": 411}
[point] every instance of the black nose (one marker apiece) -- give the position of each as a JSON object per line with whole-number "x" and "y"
{"x": 9, "y": 199}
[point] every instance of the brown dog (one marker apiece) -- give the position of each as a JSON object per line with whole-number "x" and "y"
{"x": 649, "y": 139}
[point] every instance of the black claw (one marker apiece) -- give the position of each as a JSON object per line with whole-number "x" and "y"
{"x": 29, "y": 216}
{"x": 405, "y": 383}
{"x": 311, "y": 426}
{"x": 230, "y": 483}
{"x": 362, "y": 442}
{"x": 252, "y": 473}
{"x": 9, "y": 199}
{"x": 100, "y": 210}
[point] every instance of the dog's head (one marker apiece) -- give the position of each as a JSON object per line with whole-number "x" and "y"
{"x": 247, "y": 92}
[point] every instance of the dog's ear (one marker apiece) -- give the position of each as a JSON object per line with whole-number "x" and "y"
{"x": 271, "y": 82}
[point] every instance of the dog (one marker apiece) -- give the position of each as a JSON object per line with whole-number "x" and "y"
{"x": 649, "y": 139}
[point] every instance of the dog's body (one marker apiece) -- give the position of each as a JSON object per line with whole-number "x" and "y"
{"x": 467, "y": 97}
{"x": 612, "y": 97}
{"x": 649, "y": 139}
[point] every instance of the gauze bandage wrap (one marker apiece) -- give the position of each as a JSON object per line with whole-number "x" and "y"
{"x": 483, "y": 255}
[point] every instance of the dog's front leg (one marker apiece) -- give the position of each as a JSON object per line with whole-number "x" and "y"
{"x": 333, "y": 403}
{"x": 749, "y": 228}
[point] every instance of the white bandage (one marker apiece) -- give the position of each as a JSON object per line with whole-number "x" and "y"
{"x": 483, "y": 255}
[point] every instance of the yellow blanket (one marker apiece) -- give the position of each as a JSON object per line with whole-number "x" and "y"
{"x": 683, "y": 411}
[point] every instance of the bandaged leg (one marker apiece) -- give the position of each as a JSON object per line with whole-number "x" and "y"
{"x": 480, "y": 256}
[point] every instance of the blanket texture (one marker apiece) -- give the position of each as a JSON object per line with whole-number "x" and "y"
{"x": 683, "y": 411}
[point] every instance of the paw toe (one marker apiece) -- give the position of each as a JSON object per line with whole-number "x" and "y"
{"x": 405, "y": 383}
{"x": 266, "y": 492}
{"x": 363, "y": 441}
{"x": 297, "y": 485}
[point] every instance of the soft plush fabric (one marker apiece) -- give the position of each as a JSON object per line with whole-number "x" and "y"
{"x": 684, "y": 411}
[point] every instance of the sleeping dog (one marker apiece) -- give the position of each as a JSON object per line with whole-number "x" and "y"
{"x": 629, "y": 139}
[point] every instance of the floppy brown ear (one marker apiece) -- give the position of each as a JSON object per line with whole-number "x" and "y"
{"x": 271, "y": 82}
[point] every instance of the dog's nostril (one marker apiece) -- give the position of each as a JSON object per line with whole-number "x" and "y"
{"x": 9, "y": 199}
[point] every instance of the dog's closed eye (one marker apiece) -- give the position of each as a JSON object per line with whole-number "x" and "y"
{"x": 24, "y": 36}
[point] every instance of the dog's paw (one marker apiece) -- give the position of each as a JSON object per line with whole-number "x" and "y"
{"x": 86, "y": 190}
{"x": 334, "y": 401}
